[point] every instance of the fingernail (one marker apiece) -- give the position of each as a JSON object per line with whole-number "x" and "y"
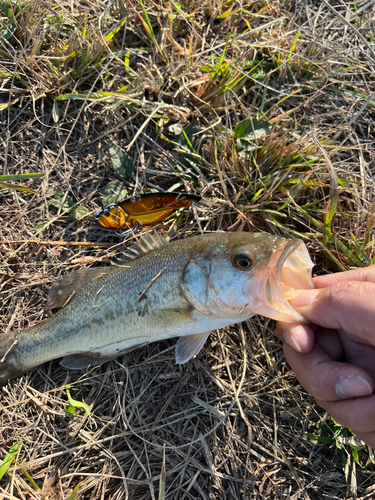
{"x": 291, "y": 341}
{"x": 304, "y": 298}
{"x": 353, "y": 386}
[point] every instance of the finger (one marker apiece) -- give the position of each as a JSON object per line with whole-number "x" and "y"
{"x": 331, "y": 343}
{"x": 328, "y": 380}
{"x": 367, "y": 437}
{"x": 346, "y": 305}
{"x": 357, "y": 414}
{"x": 362, "y": 274}
{"x": 299, "y": 337}
{"x": 358, "y": 352}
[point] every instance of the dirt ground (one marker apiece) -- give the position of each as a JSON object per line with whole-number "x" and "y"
{"x": 172, "y": 84}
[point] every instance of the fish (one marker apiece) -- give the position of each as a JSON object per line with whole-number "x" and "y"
{"x": 183, "y": 288}
{"x": 144, "y": 210}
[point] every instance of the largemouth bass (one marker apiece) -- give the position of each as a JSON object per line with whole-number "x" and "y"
{"x": 184, "y": 289}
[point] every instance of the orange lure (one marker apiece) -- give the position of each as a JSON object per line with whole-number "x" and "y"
{"x": 143, "y": 210}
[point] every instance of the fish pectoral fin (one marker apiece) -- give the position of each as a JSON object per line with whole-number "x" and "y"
{"x": 189, "y": 346}
{"x": 68, "y": 284}
{"x": 80, "y": 362}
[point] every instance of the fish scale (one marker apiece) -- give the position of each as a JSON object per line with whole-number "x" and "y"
{"x": 192, "y": 287}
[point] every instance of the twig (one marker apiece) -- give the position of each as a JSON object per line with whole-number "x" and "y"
{"x": 9, "y": 351}
{"x": 243, "y": 216}
{"x": 59, "y": 243}
{"x": 151, "y": 283}
{"x": 143, "y": 313}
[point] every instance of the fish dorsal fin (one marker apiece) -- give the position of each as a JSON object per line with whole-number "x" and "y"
{"x": 147, "y": 243}
{"x": 63, "y": 289}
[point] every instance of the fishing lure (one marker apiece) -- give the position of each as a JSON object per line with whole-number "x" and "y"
{"x": 144, "y": 210}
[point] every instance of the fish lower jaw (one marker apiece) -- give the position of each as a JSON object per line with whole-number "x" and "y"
{"x": 219, "y": 309}
{"x": 288, "y": 270}
{"x": 268, "y": 299}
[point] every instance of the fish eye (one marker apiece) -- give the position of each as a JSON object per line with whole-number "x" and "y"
{"x": 106, "y": 213}
{"x": 243, "y": 261}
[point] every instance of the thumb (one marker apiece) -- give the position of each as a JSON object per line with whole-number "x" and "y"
{"x": 347, "y": 305}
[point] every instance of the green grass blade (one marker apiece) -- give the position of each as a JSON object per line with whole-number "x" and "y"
{"x": 293, "y": 46}
{"x": 222, "y": 59}
{"x": 188, "y": 142}
{"x": 148, "y": 27}
{"x": 331, "y": 207}
{"x": 355, "y": 454}
{"x": 264, "y": 97}
{"x": 78, "y": 404}
{"x": 28, "y": 477}
{"x": 361, "y": 251}
{"x": 320, "y": 439}
{"x": 230, "y": 85}
{"x": 19, "y": 177}
{"x": 295, "y": 190}
{"x": 127, "y": 60}
{"x": 113, "y": 32}
{"x": 8, "y": 460}
{"x": 73, "y": 496}
{"x": 16, "y": 187}
{"x": 4, "y": 184}
{"x": 147, "y": 20}
{"x": 8, "y": 104}
{"x": 72, "y": 97}
{"x": 279, "y": 102}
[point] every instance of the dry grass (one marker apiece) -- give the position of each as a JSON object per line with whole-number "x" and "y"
{"x": 77, "y": 75}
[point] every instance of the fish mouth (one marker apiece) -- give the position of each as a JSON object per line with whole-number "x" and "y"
{"x": 102, "y": 220}
{"x": 289, "y": 269}
{"x": 109, "y": 217}
{"x": 99, "y": 217}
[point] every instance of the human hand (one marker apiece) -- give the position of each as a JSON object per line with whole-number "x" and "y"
{"x": 334, "y": 357}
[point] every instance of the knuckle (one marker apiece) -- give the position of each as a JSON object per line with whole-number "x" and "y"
{"x": 340, "y": 299}
{"x": 340, "y": 292}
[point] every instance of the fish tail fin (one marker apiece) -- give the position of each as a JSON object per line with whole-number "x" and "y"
{"x": 8, "y": 365}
